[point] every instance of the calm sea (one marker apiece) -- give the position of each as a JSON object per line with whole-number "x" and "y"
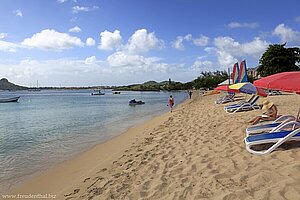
{"x": 47, "y": 127}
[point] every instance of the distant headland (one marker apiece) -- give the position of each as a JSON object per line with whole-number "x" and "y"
{"x": 6, "y": 85}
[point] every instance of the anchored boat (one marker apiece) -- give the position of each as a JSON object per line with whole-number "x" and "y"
{"x": 8, "y": 100}
{"x": 98, "y": 92}
{"x": 133, "y": 102}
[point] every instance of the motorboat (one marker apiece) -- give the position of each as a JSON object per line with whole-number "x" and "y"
{"x": 9, "y": 100}
{"x": 134, "y": 102}
{"x": 98, "y": 92}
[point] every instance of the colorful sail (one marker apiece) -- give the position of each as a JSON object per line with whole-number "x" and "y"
{"x": 235, "y": 73}
{"x": 243, "y": 77}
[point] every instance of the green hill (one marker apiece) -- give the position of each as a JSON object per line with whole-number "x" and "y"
{"x": 154, "y": 86}
{"x": 150, "y": 83}
{"x": 6, "y": 85}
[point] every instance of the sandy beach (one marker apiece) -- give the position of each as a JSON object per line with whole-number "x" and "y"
{"x": 195, "y": 152}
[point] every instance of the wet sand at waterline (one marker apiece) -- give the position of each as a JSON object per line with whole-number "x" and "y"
{"x": 195, "y": 152}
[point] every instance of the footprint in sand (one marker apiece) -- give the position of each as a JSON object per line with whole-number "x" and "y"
{"x": 230, "y": 196}
{"x": 72, "y": 193}
{"x": 102, "y": 170}
{"x": 86, "y": 179}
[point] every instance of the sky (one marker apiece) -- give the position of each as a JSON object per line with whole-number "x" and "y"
{"x": 120, "y": 42}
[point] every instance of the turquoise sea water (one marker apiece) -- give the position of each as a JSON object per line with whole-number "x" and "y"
{"x": 47, "y": 127}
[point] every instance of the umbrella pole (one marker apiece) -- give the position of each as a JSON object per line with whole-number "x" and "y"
{"x": 228, "y": 75}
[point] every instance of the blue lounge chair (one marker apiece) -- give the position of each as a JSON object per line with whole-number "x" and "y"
{"x": 239, "y": 103}
{"x": 277, "y": 138}
{"x": 245, "y": 106}
{"x": 270, "y": 126}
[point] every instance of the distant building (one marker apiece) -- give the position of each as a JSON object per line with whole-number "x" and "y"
{"x": 253, "y": 72}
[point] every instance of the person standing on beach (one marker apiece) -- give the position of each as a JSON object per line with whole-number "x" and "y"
{"x": 171, "y": 103}
{"x": 190, "y": 94}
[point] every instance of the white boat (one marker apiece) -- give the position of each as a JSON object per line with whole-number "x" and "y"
{"x": 98, "y": 92}
{"x": 8, "y": 100}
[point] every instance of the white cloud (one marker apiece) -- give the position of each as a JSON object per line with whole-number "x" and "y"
{"x": 140, "y": 66}
{"x": 77, "y": 9}
{"x": 254, "y": 48}
{"x": 142, "y": 41}
{"x": 130, "y": 59}
{"x": 286, "y": 34}
{"x": 243, "y": 25}
{"x": 61, "y": 1}
{"x": 120, "y": 59}
{"x": 178, "y": 43}
{"x": 110, "y": 40}
{"x": 90, "y": 60}
{"x": 8, "y": 46}
{"x": 201, "y": 41}
{"x": 228, "y": 51}
{"x": 52, "y": 40}
{"x": 90, "y": 42}
{"x": 225, "y": 59}
{"x": 75, "y": 29}
{"x": 130, "y": 56}
{"x": 205, "y": 65}
{"x": 18, "y": 12}
{"x": 188, "y": 37}
{"x": 3, "y": 35}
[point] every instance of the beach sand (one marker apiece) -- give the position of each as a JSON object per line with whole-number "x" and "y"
{"x": 195, "y": 152}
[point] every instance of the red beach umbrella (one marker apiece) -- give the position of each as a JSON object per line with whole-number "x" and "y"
{"x": 285, "y": 81}
{"x": 224, "y": 88}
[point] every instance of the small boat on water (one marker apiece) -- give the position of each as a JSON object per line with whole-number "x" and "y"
{"x": 9, "y": 100}
{"x": 116, "y": 92}
{"x": 133, "y": 102}
{"x": 98, "y": 92}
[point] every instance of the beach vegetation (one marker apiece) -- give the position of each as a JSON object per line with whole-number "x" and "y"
{"x": 210, "y": 80}
{"x": 278, "y": 58}
{"x": 157, "y": 86}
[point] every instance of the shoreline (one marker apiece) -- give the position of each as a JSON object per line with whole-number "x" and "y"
{"x": 117, "y": 144}
{"x": 195, "y": 152}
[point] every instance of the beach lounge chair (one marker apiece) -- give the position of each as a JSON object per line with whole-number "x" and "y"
{"x": 225, "y": 99}
{"x": 273, "y": 92}
{"x": 277, "y": 138}
{"x": 269, "y": 127}
{"x": 239, "y": 103}
{"x": 278, "y": 125}
{"x": 245, "y": 106}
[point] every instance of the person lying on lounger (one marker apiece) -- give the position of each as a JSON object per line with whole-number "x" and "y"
{"x": 269, "y": 115}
